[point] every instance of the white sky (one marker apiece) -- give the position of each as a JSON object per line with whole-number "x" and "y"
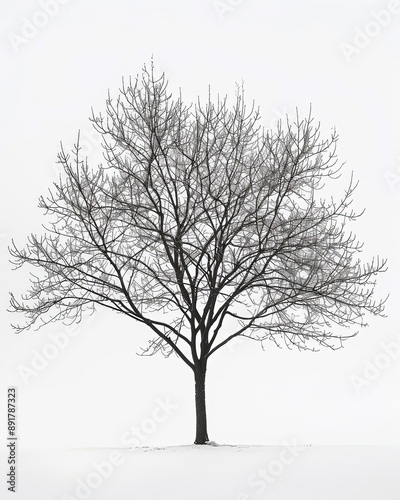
{"x": 289, "y": 54}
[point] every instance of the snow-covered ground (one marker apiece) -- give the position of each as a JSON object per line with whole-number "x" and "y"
{"x": 223, "y": 472}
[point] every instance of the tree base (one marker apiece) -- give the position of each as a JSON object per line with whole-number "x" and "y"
{"x": 206, "y": 443}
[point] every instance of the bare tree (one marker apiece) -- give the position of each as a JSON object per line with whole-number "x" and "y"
{"x": 201, "y": 214}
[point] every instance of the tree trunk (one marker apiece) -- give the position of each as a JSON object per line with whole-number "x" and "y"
{"x": 201, "y": 415}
